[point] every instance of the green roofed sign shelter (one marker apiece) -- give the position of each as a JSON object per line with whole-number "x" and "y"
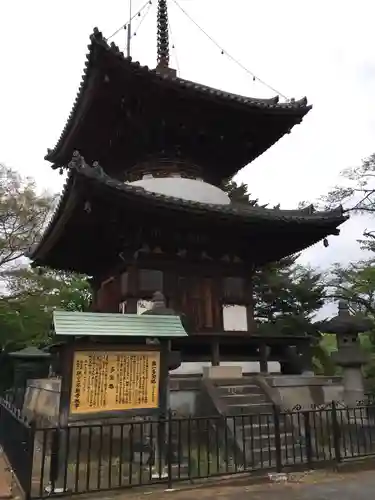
{"x": 82, "y": 324}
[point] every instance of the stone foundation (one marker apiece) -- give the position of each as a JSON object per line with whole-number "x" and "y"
{"x": 286, "y": 391}
{"x": 304, "y": 391}
{"x": 222, "y": 372}
{"x": 42, "y": 400}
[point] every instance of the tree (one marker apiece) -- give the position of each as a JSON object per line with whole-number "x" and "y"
{"x": 23, "y": 215}
{"x": 359, "y": 191}
{"x": 287, "y": 295}
{"x": 28, "y": 296}
{"x": 33, "y": 295}
{"x": 357, "y": 194}
{"x": 356, "y": 284}
{"x": 238, "y": 193}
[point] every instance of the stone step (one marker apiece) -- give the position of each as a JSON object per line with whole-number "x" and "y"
{"x": 244, "y": 398}
{"x": 257, "y": 420}
{"x": 234, "y": 390}
{"x": 265, "y": 440}
{"x": 264, "y": 429}
{"x": 259, "y": 425}
{"x": 250, "y": 409}
{"x": 234, "y": 382}
{"x": 267, "y": 455}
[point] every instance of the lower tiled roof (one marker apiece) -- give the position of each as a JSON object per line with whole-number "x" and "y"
{"x": 326, "y": 222}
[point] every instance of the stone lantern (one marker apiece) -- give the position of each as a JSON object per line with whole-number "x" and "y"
{"x": 159, "y": 308}
{"x": 29, "y": 363}
{"x": 349, "y": 355}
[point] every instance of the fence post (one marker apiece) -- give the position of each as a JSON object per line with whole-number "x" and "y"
{"x": 30, "y": 457}
{"x": 169, "y": 450}
{"x": 55, "y": 462}
{"x": 308, "y": 440}
{"x": 336, "y": 433}
{"x": 276, "y": 417}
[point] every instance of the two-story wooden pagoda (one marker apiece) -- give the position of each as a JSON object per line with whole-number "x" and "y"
{"x": 142, "y": 210}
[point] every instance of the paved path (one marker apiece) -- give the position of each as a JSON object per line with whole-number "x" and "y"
{"x": 5, "y": 479}
{"x": 315, "y": 486}
{"x": 321, "y": 485}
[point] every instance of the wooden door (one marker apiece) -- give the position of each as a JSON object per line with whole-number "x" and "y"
{"x": 198, "y": 300}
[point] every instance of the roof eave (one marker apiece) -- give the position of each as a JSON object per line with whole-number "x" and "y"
{"x": 300, "y": 107}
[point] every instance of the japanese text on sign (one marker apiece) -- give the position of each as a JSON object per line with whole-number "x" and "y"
{"x": 112, "y": 381}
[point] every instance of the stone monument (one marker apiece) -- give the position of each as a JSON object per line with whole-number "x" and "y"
{"x": 349, "y": 355}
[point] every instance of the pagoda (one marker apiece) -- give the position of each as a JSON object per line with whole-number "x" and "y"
{"x": 142, "y": 210}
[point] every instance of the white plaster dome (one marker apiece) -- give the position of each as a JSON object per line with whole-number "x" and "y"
{"x": 186, "y": 189}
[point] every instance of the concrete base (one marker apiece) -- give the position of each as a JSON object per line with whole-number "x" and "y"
{"x": 222, "y": 372}
{"x": 42, "y": 399}
{"x": 302, "y": 380}
{"x": 304, "y": 391}
{"x": 354, "y": 394}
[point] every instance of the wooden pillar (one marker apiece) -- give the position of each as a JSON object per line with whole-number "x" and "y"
{"x": 215, "y": 353}
{"x": 132, "y": 299}
{"x": 249, "y": 291}
{"x": 94, "y": 285}
{"x": 217, "y": 302}
{"x": 162, "y": 449}
{"x": 165, "y": 347}
{"x": 263, "y": 357}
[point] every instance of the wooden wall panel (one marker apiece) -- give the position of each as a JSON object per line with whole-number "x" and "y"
{"x": 109, "y": 296}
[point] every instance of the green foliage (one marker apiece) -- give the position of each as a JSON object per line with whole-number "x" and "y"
{"x": 323, "y": 364}
{"x": 287, "y": 296}
{"x": 356, "y": 284}
{"x": 238, "y": 193}
{"x": 359, "y": 190}
{"x": 357, "y": 194}
{"x": 26, "y": 311}
{"x": 29, "y": 296}
{"x": 23, "y": 214}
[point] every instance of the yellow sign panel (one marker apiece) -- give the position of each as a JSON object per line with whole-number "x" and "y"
{"x": 114, "y": 380}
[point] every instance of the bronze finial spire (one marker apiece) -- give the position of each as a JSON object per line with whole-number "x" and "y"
{"x": 163, "y": 38}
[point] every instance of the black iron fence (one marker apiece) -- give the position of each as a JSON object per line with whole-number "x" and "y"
{"x": 96, "y": 457}
{"x": 17, "y": 438}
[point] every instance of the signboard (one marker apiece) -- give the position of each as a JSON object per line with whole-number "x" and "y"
{"x": 114, "y": 380}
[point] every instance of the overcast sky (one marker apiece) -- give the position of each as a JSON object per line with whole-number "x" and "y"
{"x": 321, "y": 49}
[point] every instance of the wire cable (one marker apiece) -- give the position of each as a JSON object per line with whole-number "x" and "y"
{"x": 174, "y": 47}
{"x": 141, "y": 21}
{"x": 149, "y": 2}
{"x": 223, "y": 51}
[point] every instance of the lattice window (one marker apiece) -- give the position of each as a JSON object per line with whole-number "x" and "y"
{"x": 234, "y": 288}
{"x": 150, "y": 280}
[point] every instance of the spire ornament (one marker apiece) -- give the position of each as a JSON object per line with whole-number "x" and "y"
{"x": 163, "y": 36}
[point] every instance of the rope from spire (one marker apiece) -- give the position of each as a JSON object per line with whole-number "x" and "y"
{"x": 233, "y": 59}
{"x": 126, "y": 25}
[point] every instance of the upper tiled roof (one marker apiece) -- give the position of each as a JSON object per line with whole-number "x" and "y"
{"x": 238, "y": 210}
{"x": 99, "y": 44}
{"x": 79, "y": 167}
